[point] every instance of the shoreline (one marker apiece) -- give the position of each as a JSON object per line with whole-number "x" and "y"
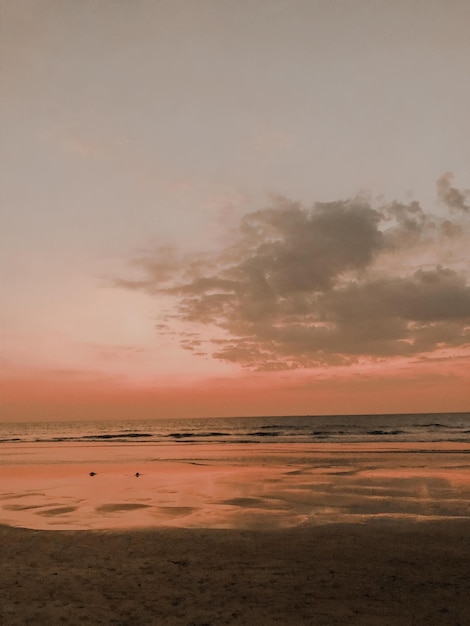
{"x": 379, "y": 574}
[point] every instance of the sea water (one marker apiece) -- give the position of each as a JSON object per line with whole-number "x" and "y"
{"x": 424, "y": 427}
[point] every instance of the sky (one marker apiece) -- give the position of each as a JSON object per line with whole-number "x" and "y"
{"x": 219, "y": 208}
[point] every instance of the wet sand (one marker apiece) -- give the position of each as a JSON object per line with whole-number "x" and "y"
{"x": 230, "y": 486}
{"x": 371, "y": 574}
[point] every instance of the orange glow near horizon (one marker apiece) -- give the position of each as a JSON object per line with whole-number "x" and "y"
{"x": 431, "y": 387}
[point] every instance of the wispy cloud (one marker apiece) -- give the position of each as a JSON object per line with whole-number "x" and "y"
{"x": 327, "y": 285}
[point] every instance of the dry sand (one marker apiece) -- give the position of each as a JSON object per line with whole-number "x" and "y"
{"x": 389, "y": 573}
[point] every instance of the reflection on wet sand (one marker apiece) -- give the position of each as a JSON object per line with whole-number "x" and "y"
{"x": 229, "y": 486}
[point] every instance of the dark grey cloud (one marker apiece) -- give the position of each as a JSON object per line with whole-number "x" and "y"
{"x": 330, "y": 284}
{"x": 452, "y": 197}
{"x": 374, "y": 318}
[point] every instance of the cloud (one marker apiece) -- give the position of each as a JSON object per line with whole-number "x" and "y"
{"x": 451, "y": 196}
{"x": 331, "y": 284}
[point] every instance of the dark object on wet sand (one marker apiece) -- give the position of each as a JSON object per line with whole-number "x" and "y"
{"x": 137, "y": 474}
{"x": 92, "y": 473}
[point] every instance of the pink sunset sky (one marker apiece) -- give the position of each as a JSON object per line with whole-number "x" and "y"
{"x": 215, "y": 208}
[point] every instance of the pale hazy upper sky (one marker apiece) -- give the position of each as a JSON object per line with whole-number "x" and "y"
{"x": 128, "y": 126}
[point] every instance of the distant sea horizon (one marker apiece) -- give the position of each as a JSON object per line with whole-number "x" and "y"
{"x": 365, "y": 428}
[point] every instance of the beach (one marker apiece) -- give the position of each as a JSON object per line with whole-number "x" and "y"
{"x": 370, "y": 574}
{"x": 199, "y": 534}
{"x": 235, "y": 313}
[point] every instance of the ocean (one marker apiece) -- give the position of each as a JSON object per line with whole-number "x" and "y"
{"x": 423, "y": 427}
